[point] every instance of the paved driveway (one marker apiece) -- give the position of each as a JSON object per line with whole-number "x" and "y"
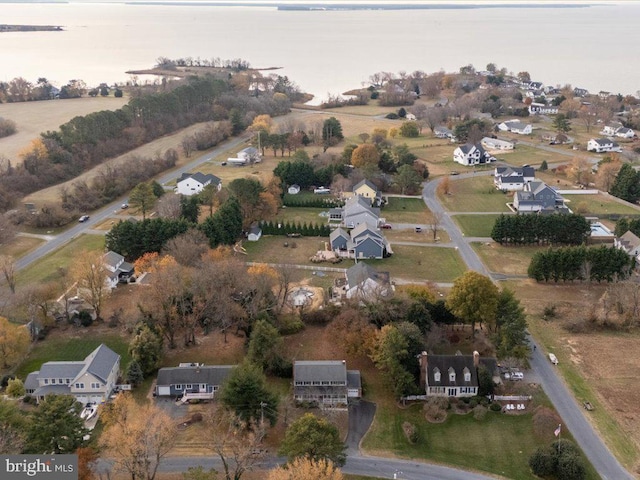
{"x": 360, "y": 418}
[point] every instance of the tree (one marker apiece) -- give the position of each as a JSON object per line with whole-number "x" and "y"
{"x": 580, "y": 171}
{"x": 15, "y": 387}
{"x": 306, "y": 468}
{"x": 511, "y": 324}
{"x": 436, "y": 221}
{"x": 245, "y": 393}
{"x": 407, "y": 179}
{"x": 169, "y": 207}
{"x": 332, "y": 128}
{"x": 409, "y": 129}
{"x": 198, "y": 473}
{"x": 627, "y": 184}
{"x": 134, "y": 374}
{"x": 561, "y": 123}
{"x": 209, "y": 196}
{"x": 142, "y": 198}
{"x": 56, "y": 426}
{"x": 473, "y": 298}
{"x": 543, "y": 166}
{"x": 389, "y": 352}
{"x": 87, "y": 458}
{"x": 265, "y": 347}
{"x": 365, "y": 155}
{"x": 314, "y": 438}
{"x": 247, "y": 192}
{"x": 7, "y": 229}
{"x": 137, "y": 437}
{"x": 14, "y": 343}
{"x": 90, "y": 272}
{"x": 606, "y": 174}
{"x": 146, "y": 350}
{"x": 12, "y": 428}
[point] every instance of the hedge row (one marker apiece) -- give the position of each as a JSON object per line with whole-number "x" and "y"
{"x": 292, "y": 201}
{"x": 304, "y": 229}
{"x": 532, "y": 229}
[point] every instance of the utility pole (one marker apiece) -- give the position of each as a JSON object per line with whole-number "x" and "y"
{"x": 262, "y": 405}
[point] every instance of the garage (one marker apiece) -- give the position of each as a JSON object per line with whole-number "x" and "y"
{"x": 164, "y": 391}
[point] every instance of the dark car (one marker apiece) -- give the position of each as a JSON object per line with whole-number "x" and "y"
{"x": 386, "y": 226}
{"x": 418, "y": 229}
{"x": 83, "y": 218}
{"x": 124, "y": 206}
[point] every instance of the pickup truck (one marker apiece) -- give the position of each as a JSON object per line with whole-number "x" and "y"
{"x": 553, "y": 359}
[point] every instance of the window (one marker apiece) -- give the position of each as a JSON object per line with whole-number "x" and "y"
{"x": 178, "y": 387}
{"x": 46, "y": 381}
{"x": 79, "y": 385}
{"x": 436, "y": 374}
{"x": 188, "y": 386}
{"x": 95, "y": 385}
{"x": 60, "y": 381}
{"x": 68, "y": 381}
{"x": 467, "y": 374}
{"x": 452, "y": 374}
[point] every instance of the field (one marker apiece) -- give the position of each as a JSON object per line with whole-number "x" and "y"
{"x": 271, "y": 249}
{"x": 301, "y": 215}
{"x": 33, "y": 118}
{"x": 526, "y": 155}
{"x": 435, "y": 264}
{"x": 476, "y": 194}
{"x": 20, "y": 246}
{"x": 599, "y": 204}
{"x": 476, "y": 225}
{"x": 46, "y": 269}
{"x": 507, "y": 260}
{"x": 406, "y": 210}
{"x": 409, "y": 235}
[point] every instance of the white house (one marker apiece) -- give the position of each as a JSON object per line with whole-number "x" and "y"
{"x": 294, "y": 189}
{"x": 325, "y": 382}
{"x": 496, "y": 144}
{"x": 471, "y": 155}
{"x": 629, "y": 242}
{"x": 193, "y": 183}
{"x": 600, "y": 145}
{"x": 542, "y": 109}
{"x": 454, "y": 375}
{"x": 365, "y": 283}
{"x": 117, "y": 269}
{"x": 513, "y": 178}
{"x": 443, "y": 132}
{"x": 623, "y": 132}
{"x": 516, "y": 126}
{"x": 91, "y": 380}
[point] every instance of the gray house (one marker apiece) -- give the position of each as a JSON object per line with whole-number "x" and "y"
{"x": 363, "y": 282}
{"x": 356, "y": 210}
{"x": 117, "y": 269}
{"x": 364, "y": 241}
{"x": 538, "y": 197}
{"x": 339, "y": 239}
{"x": 325, "y": 382}
{"x": 191, "y": 381}
{"x": 91, "y": 380}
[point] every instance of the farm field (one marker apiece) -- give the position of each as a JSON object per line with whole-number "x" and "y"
{"x": 476, "y": 225}
{"x": 475, "y": 194}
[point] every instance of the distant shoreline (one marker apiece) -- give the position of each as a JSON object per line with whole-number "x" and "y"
{"x": 30, "y": 28}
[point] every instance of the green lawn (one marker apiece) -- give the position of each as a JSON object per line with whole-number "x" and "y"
{"x": 599, "y": 205}
{"x": 475, "y": 194}
{"x": 506, "y": 259}
{"x": 524, "y": 154}
{"x": 476, "y": 225}
{"x": 436, "y": 264}
{"x": 406, "y": 210}
{"x": 72, "y": 349}
{"x": 500, "y": 444}
{"x": 301, "y": 215}
{"x": 46, "y": 269}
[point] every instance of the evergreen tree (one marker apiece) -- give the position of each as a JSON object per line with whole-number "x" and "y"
{"x": 627, "y": 184}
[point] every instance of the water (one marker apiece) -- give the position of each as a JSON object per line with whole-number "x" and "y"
{"x": 324, "y": 52}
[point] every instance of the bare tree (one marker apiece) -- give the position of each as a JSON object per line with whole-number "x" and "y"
{"x": 90, "y": 272}
{"x": 188, "y": 145}
{"x": 8, "y": 266}
{"x": 187, "y": 249}
{"x": 169, "y": 207}
{"x": 436, "y": 221}
{"x": 7, "y": 230}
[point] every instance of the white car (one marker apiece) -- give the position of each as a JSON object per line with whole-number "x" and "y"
{"x": 517, "y": 376}
{"x": 321, "y": 190}
{"x": 553, "y": 359}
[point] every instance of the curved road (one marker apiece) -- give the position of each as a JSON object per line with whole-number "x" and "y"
{"x": 571, "y": 412}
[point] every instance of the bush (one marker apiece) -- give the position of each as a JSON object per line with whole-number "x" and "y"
{"x": 542, "y": 462}
{"x": 15, "y": 388}
{"x": 392, "y": 116}
{"x": 473, "y": 403}
{"x": 7, "y": 127}
{"x": 411, "y": 432}
{"x": 409, "y": 129}
{"x": 495, "y": 407}
{"x": 289, "y": 324}
{"x": 549, "y": 311}
{"x": 479, "y": 412}
{"x": 435, "y": 409}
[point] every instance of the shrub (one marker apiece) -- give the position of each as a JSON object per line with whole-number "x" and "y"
{"x": 479, "y": 412}
{"x": 15, "y": 388}
{"x": 411, "y": 432}
{"x": 7, "y": 127}
{"x": 495, "y": 407}
{"x": 290, "y": 324}
{"x": 392, "y": 116}
{"x": 435, "y": 409}
{"x": 542, "y": 462}
{"x": 473, "y": 403}
{"x": 549, "y": 311}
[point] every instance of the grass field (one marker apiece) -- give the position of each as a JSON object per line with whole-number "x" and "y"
{"x": 409, "y": 235}
{"x": 406, "y": 210}
{"x": 271, "y": 249}
{"x": 507, "y": 260}
{"x": 20, "y": 246}
{"x": 301, "y": 215}
{"x": 476, "y": 225}
{"x": 72, "y": 348}
{"x": 422, "y": 263}
{"x": 475, "y": 194}
{"x": 46, "y": 269}
{"x": 599, "y": 205}
{"x": 499, "y": 444}
{"x": 524, "y": 154}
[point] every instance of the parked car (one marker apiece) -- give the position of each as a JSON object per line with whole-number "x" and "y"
{"x": 124, "y": 206}
{"x": 321, "y": 190}
{"x": 553, "y": 359}
{"x": 517, "y": 376}
{"x": 418, "y": 229}
{"x": 386, "y": 226}
{"x": 83, "y": 218}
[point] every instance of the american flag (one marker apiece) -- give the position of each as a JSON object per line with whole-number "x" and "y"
{"x": 557, "y": 431}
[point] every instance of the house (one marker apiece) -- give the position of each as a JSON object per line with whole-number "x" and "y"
{"x": 623, "y": 132}
{"x": 629, "y": 242}
{"x": 542, "y": 109}
{"x": 580, "y": 92}
{"x": 117, "y": 269}
{"x": 604, "y": 95}
{"x": 191, "y": 381}
{"x": 250, "y": 155}
{"x": 325, "y": 383}
{"x": 454, "y": 375}
{"x": 339, "y": 239}
{"x": 365, "y": 283}
{"x": 355, "y": 211}
{"x": 609, "y": 130}
{"x": 516, "y": 126}
{"x": 293, "y": 189}
{"x": 91, "y": 380}
{"x": 366, "y": 189}
{"x": 363, "y": 241}
{"x": 443, "y": 132}
{"x": 513, "y": 178}
{"x": 495, "y": 144}
{"x": 193, "y": 183}
{"x": 471, "y": 155}
{"x": 254, "y": 234}
{"x": 600, "y": 145}
{"x": 538, "y": 197}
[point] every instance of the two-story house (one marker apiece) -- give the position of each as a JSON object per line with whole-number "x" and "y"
{"x": 454, "y": 375}
{"x": 191, "y": 381}
{"x": 600, "y": 145}
{"x": 91, "y": 380}
{"x": 355, "y": 211}
{"x": 362, "y": 242}
{"x": 630, "y": 243}
{"x": 538, "y": 197}
{"x": 193, "y": 183}
{"x": 471, "y": 155}
{"x": 325, "y": 382}
{"x": 117, "y": 269}
{"x": 513, "y": 178}
{"x": 365, "y": 283}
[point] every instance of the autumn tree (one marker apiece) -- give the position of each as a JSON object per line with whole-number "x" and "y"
{"x": 87, "y": 459}
{"x": 188, "y": 248}
{"x": 146, "y": 349}
{"x": 389, "y": 352}
{"x": 606, "y": 174}
{"x": 353, "y": 330}
{"x": 142, "y": 198}
{"x": 90, "y": 272}
{"x": 580, "y": 170}
{"x": 365, "y": 155}
{"x": 444, "y": 187}
{"x": 7, "y": 230}
{"x": 313, "y": 438}
{"x": 56, "y": 426}
{"x": 169, "y": 206}
{"x": 14, "y": 343}
{"x": 137, "y": 436}
{"x": 473, "y": 298}
{"x": 436, "y": 221}
{"x": 246, "y": 394}
{"x": 306, "y": 468}
{"x": 15, "y": 388}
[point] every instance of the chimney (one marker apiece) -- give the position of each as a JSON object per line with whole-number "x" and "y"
{"x": 423, "y": 361}
{"x": 476, "y": 359}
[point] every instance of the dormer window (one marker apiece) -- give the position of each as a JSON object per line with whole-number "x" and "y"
{"x": 452, "y": 375}
{"x": 467, "y": 374}
{"x": 436, "y": 374}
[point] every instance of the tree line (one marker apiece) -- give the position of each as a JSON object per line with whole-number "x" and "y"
{"x": 625, "y": 224}
{"x": 570, "y": 229}
{"x": 602, "y": 264}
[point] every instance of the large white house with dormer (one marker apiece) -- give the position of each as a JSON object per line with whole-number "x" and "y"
{"x": 601, "y": 145}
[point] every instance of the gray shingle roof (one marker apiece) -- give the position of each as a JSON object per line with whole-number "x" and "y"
{"x": 61, "y": 369}
{"x": 365, "y": 182}
{"x": 52, "y": 389}
{"x": 322, "y": 370}
{"x": 31, "y": 382}
{"x": 201, "y": 178}
{"x": 209, "y": 374}
{"x": 359, "y": 273}
{"x": 353, "y": 379}
{"x": 456, "y": 363}
{"x": 112, "y": 258}
{"x": 101, "y": 361}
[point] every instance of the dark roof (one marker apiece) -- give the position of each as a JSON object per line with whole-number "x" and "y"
{"x": 353, "y": 379}
{"x": 320, "y": 370}
{"x": 112, "y": 258}
{"x": 61, "y": 369}
{"x": 456, "y": 363}
{"x": 605, "y": 141}
{"x": 31, "y": 382}
{"x": 201, "y": 178}
{"x": 210, "y": 374}
{"x": 101, "y": 361}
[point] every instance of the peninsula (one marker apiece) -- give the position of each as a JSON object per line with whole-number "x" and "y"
{"x": 30, "y": 28}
